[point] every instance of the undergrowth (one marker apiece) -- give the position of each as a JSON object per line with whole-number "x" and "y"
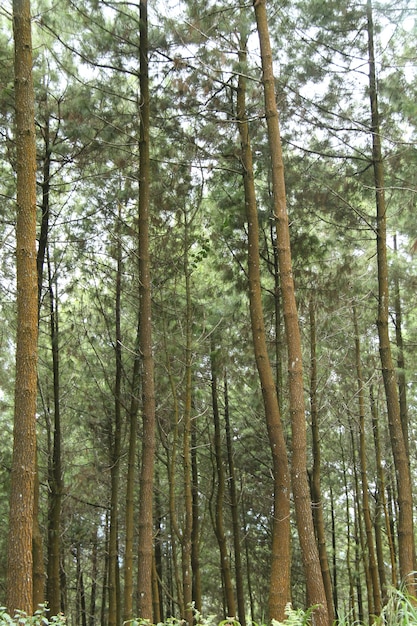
{"x": 400, "y": 610}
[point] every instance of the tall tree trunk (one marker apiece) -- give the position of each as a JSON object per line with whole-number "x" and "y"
{"x": 81, "y": 608}
{"x": 334, "y": 557}
{"x": 37, "y": 543}
{"x": 349, "y": 533}
{"x": 362, "y": 563}
{"x": 402, "y": 384}
{"x": 234, "y": 505}
{"x": 159, "y": 524}
{"x": 130, "y": 486}
{"x": 219, "y": 522}
{"x": 316, "y": 594}
{"x": 316, "y": 472}
{"x": 94, "y": 575}
{"x": 195, "y": 538}
{"x": 279, "y": 590}
{"x": 115, "y": 443}
{"x": 19, "y": 567}
{"x": 381, "y": 498}
{"x": 399, "y": 450}
{"x": 188, "y": 496}
{"x": 373, "y": 569}
{"x": 145, "y": 537}
{"x": 55, "y": 481}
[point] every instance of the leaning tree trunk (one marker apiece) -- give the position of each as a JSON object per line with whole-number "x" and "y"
{"x": 19, "y": 568}
{"x": 145, "y": 536}
{"x": 279, "y": 590}
{"x": 399, "y": 450}
{"x": 302, "y": 500}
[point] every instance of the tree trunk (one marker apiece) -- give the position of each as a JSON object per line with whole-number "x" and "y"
{"x": 362, "y": 562}
{"x": 195, "y": 538}
{"x": 145, "y": 537}
{"x": 402, "y": 384}
{"x": 94, "y": 574}
{"x": 373, "y": 569}
{"x": 130, "y": 486}
{"x": 316, "y": 472}
{"x": 279, "y": 592}
{"x": 381, "y": 498}
{"x": 115, "y": 444}
{"x": 219, "y": 522}
{"x": 37, "y": 543}
{"x": 334, "y": 559}
{"x": 234, "y": 505}
{"x": 55, "y": 482}
{"x": 314, "y": 582}
{"x": 399, "y": 451}
{"x": 188, "y": 496}
{"x": 20, "y": 568}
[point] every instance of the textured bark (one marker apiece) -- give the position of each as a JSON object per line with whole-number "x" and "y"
{"x": 37, "y": 542}
{"x": 316, "y": 472}
{"x": 145, "y": 537}
{"x": 402, "y": 383}
{"x": 375, "y": 607}
{"x": 406, "y": 548}
{"x": 188, "y": 496}
{"x": 195, "y": 537}
{"x": 314, "y": 582}
{"x": 115, "y": 446}
{"x": 381, "y": 498}
{"x": 130, "y": 487}
{"x": 234, "y": 505}
{"x": 19, "y": 572}
{"x": 37, "y": 551}
{"x": 221, "y": 488}
{"x": 279, "y": 591}
{"x": 55, "y": 481}
{"x": 362, "y": 563}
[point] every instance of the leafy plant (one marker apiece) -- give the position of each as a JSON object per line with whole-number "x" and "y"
{"x": 39, "y": 618}
{"x": 400, "y": 610}
{"x": 295, "y": 617}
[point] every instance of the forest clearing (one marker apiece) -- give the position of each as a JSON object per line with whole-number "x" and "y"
{"x": 208, "y": 373}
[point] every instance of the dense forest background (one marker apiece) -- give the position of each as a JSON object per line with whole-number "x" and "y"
{"x": 213, "y": 480}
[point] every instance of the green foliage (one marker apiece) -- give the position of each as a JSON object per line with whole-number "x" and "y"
{"x": 400, "y": 610}
{"x": 295, "y": 617}
{"x": 39, "y": 618}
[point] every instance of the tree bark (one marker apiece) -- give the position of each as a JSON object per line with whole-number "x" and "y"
{"x": 20, "y": 568}
{"x": 314, "y": 582}
{"x": 219, "y": 522}
{"x": 130, "y": 486}
{"x": 279, "y": 591}
{"x": 316, "y": 472}
{"x": 373, "y": 569}
{"x": 381, "y": 498}
{"x": 195, "y": 538}
{"x": 145, "y": 537}
{"x": 187, "y": 475}
{"x": 55, "y": 481}
{"x": 399, "y": 450}
{"x": 234, "y": 505}
{"x": 402, "y": 383}
{"x": 115, "y": 443}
